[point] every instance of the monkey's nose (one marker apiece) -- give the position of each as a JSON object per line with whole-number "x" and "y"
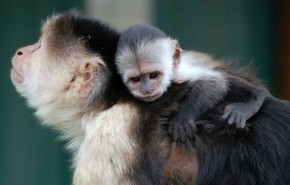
{"x": 19, "y": 53}
{"x": 147, "y": 91}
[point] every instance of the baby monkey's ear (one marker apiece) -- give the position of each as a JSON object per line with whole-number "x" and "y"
{"x": 84, "y": 77}
{"x": 177, "y": 53}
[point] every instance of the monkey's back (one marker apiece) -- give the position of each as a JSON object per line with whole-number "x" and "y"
{"x": 256, "y": 156}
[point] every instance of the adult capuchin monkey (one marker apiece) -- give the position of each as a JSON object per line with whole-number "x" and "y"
{"x": 149, "y": 61}
{"x": 70, "y": 78}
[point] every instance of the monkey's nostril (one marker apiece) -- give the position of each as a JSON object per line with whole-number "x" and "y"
{"x": 19, "y": 53}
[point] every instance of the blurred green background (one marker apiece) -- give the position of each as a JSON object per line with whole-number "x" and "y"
{"x": 247, "y": 30}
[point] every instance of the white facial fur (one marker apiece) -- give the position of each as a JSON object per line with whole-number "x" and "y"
{"x": 148, "y": 57}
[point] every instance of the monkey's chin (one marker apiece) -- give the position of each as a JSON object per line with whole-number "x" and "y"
{"x": 16, "y": 76}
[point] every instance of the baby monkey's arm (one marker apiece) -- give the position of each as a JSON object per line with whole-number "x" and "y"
{"x": 204, "y": 95}
{"x": 239, "y": 112}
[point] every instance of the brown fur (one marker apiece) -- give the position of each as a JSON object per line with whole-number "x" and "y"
{"x": 180, "y": 163}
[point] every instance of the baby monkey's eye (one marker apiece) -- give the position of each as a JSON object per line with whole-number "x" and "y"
{"x": 154, "y": 75}
{"x": 135, "y": 79}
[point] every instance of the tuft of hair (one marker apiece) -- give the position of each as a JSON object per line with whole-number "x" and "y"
{"x": 247, "y": 72}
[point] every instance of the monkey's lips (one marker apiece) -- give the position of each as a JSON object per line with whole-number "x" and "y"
{"x": 16, "y": 75}
{"x": 150, "y": 97}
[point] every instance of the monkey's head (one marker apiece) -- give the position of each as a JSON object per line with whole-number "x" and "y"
{"x": 65, "y": 72}
{"x": 147, "y": 69}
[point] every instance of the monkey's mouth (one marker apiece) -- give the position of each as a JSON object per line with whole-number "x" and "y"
{"x": 16, "y": 75}
{"x": 151, "y": 97}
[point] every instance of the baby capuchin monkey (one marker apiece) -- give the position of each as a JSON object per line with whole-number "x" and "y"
{"x": 149, "y": 62}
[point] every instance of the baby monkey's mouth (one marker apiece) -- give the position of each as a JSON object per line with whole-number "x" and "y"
{"x": 150, "y": 97}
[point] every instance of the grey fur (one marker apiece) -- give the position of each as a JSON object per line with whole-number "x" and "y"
{"x": 134, "y": 35}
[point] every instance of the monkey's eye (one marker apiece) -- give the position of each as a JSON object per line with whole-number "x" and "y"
{"x": 135, "y": 79}
{"x": 154, "y": 75}
{"x": 37, "y": 47}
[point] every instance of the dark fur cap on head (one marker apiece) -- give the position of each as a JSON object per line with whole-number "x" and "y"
{"x": 69, "y": 27}
{"x": 134, "y": 35}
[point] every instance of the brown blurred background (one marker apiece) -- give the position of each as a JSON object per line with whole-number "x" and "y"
{"x": 282, "y": 47}
{"x": 251, "y": 31}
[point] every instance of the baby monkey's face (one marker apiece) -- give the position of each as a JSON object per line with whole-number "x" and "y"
{"x": 148, "y": 69}
{"x": 146, "y": 82}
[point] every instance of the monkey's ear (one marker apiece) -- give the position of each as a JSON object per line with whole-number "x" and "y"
{"x": 83, "y": 78}
{"x": 177, "y": 54}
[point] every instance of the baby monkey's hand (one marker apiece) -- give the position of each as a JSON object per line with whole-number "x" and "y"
{"x": 182, "y": 128}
